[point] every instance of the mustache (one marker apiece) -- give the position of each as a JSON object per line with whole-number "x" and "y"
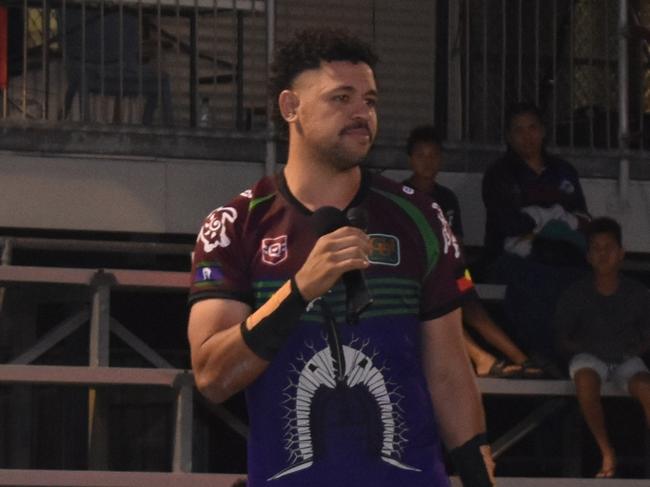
{"x": 356, "y": 126}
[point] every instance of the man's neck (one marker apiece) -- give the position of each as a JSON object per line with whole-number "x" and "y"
{"x": 606, "y": 284}
{"x": 316, "y": 183}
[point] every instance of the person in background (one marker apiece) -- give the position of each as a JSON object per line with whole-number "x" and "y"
{"x": 333, "y": 400}
{"x": 534, "y": 242}
{"x": 603, "y": 325}
{"x": 424, "y": 149}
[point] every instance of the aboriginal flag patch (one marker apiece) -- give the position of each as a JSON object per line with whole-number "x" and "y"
{"x": 385, "y": 249}
{"x": 465, "y": 282}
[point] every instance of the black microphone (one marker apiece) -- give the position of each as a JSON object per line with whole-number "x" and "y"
{"x": 326, "y": 220}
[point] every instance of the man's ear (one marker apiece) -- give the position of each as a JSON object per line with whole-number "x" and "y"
{"x": 288, "y": 102}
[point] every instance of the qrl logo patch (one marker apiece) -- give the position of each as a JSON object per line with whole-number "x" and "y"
{"x": 385, "y": 249}
{"x": 274, "y": 250}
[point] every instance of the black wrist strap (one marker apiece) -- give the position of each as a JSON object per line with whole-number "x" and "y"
{"x": 269, "y": 335}
{"x": 469, "y": 463}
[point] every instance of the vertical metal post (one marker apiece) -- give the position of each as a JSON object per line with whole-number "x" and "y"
{"x": 623, "y": 96}
{"x": 271, "y": 144}
{"x": 504, "y": 54}
{"x": 608, "y": 105}
{"x": 571, "y": 69}
{"x": 520, "y": 51}
{"x": 486, "y": 82}
{"x": 537, "y": 48}
{"x": 99, "y": 357}
{"x": 23, "y": 103}
{"x": 239, "y": 83}
{"x": 454, "y": 100}
{"x": 7, "y": 247}
{"x": 184, "y": 423}
{"x": 45, "y": 60}
{"x": 555, "y": 80}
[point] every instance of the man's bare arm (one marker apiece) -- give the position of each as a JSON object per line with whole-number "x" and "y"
{"x": 222, "y": 362}
{"x": 455, "y": 395}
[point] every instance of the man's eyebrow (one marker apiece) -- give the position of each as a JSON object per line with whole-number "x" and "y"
{"x": 350, "y": 89}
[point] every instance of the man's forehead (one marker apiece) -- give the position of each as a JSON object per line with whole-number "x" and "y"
{"x": 337, "y": 72}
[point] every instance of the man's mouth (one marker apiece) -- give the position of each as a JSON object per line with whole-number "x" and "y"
{"x": 357, "y": 131}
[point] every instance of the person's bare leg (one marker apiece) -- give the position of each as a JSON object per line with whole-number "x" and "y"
{"x": 639, "y": 387}
{"x": 484, "y": 360}
{"x": 475, "y": 315}
{"x": 587, "y": 383}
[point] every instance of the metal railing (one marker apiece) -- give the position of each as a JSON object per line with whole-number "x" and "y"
{"x": 203, "y": 64}
{"x": 584, "y": 62}
{"x": 182, "y": 63}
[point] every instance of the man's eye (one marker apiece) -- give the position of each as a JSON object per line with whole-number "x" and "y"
{"x": 342, "y": 98}
{"x": 371, "y": 102}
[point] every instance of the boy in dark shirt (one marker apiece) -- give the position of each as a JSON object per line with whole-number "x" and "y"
{"x": 424, "y": 149}
{"x": 603, "y": 323}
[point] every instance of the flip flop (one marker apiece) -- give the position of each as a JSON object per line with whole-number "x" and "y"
{"x": 498, "y": 370}
{"x": 530, "y": 370}
{"x": 609, "y": 473}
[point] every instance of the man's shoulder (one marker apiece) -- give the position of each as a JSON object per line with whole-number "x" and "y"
{"x": 262, "y": 191}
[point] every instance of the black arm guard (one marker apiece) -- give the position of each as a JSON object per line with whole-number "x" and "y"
{"x": 268, "y": 336}
{"x": 469, "y": 463}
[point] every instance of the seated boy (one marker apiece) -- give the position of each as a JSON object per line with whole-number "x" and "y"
{"x": 603, "y": 324}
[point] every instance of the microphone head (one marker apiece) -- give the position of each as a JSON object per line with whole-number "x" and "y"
{"x": 358, "y": 217}
{"x": 326, "y": 219}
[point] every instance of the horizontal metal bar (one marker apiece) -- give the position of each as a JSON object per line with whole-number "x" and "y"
{"x": 74, "y": 245}
{"x": 491, "y": 292}
{"x": 83, "y": 478}
{"x": 561, "y": 482}
{"x": 122, "y": 277}
{"x": 539, "y": 387}
{"x": 79, "y": 375}
{"x": 256, "y": 6}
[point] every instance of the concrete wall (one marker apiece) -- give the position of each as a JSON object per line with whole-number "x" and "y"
{"x": 172, "y": 196}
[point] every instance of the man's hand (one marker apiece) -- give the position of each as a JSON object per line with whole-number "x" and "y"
{"x": 486, "y": 451}
{"x": 340, "y": 251}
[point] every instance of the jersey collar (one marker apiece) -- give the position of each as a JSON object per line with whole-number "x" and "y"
{"x": 283, "y": 188}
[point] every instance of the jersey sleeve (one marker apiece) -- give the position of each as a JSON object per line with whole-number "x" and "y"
{"x": 446, "y": 283}
{"x": 219, "y": 264}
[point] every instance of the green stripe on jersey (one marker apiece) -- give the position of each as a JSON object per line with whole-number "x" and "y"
{"x": 427, "y": 233}
{"x": 259, "y": 200}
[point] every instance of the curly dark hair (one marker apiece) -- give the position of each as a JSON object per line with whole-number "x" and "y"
{"x": 423, "y": 133}
{"x": 306, "y": 50}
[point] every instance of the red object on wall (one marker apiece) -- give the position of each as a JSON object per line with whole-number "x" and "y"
{"x": 3, "y": 48}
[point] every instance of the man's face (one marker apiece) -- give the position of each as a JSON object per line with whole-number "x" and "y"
{"x": 605, "y": 254}
{"x": 526, "y": 135}
{"x": 425, "y": 159}
{"x": 336, "y": 115}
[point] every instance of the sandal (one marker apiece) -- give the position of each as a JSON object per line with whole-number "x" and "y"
{"x": 530, "y": 370}
{"x": 501, "y": 369}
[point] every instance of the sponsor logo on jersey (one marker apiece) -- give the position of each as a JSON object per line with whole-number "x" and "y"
{"x": 567, "y": 186}
{"x": 385, "y": 249}
{"x": 465, "y": 282}
{"x": 408, "y": 190}
{"x": 274, "y": 250}
{"x": 213, "y": 233}
{"x": 247, "y": 194}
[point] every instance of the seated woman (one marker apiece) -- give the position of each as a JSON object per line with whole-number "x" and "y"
{"x": 535, "y": 213}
